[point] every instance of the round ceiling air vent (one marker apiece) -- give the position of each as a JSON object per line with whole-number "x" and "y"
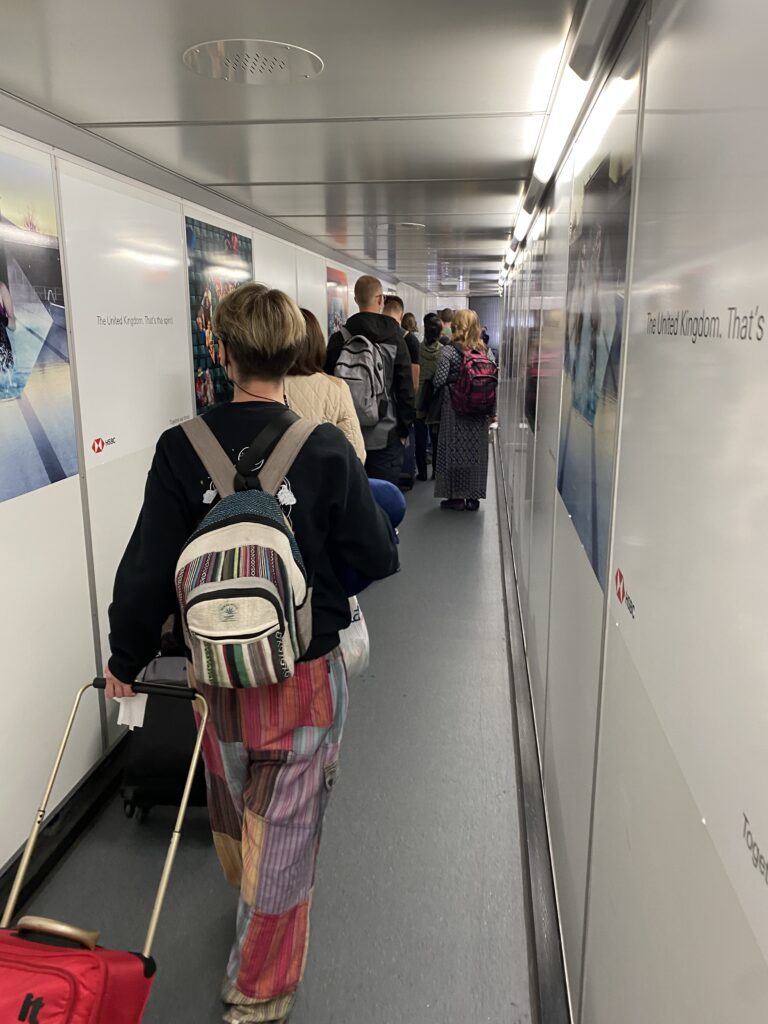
{"x": 253, "y": 61}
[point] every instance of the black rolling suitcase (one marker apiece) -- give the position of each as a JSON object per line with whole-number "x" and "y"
{"x": 159, "y": 752}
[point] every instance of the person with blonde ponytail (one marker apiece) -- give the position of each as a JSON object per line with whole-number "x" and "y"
{"x": 462, "y": 454}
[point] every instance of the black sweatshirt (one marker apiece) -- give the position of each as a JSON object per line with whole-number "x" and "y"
{"x": 335, "y": 519}
{"x": 384, "y": 331}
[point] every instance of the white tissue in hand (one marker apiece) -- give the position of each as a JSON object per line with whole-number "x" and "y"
{"x": 132, "y": 710}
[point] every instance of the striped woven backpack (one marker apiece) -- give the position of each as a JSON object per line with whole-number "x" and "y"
{"x": 246, "y": 602}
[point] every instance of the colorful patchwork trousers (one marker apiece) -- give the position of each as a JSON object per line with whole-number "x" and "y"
{"x": 271, "y": 759}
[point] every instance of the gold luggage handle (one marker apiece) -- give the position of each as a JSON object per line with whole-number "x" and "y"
{"x": 169, "y": 689}
{"x": 59, "y": 930}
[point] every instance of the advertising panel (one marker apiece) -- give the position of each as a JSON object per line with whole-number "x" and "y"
{"x": 219, "y": 260}
{"x": 600, "y": 212}
{"x": 274, "y": 263}
{"x": 690, "y": 539}
{"x": 338, "y": 298}
{"x": 594, "y": 242}
{"x": 533, "y": 354}
{"x": 125, "y": 263}
{"x": 37, "y": 423}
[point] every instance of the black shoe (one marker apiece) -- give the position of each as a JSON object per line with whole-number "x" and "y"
{"x": 472, "y": 504}
{"x": 406, "y": 485}
{"x": 454, "y": 504}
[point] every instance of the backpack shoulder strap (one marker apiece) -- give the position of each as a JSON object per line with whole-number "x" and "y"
{"x": 345, "y": 334}
{"x": 216, "y": 461}
{"x": 285, "y": 452}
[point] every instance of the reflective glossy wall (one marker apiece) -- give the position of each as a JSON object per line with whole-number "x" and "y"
{"x": 631, "y": 440}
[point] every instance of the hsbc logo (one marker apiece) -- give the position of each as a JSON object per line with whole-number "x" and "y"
{"x": 98, "y": 446}
{"x": 621, "y": 593}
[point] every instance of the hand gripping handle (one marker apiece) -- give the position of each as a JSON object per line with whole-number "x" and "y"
{"x": 160, "y": 689}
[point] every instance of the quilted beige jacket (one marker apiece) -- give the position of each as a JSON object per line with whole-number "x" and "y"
{"x": 324, "y": 399}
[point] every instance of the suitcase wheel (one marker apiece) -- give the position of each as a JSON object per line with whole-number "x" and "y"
{"x": 133, "y": 810}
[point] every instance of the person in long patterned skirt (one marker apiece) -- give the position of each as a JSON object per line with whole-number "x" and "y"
{"x": 461, "y": 475}
{"x": 270, "y": 752}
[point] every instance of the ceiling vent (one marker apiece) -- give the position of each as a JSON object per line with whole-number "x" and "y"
{"x": 253, "y": 61}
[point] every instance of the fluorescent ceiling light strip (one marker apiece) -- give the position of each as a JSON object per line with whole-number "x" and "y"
{"x": 537, "y": 229}
{"x": 614, "y": 96}
{"x": 571, "y": 93}
{"x": 522, "y": 224}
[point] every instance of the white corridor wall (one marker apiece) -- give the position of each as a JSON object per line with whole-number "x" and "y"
{"x": 130, "y": 319}
{"x": 642, "y": 594}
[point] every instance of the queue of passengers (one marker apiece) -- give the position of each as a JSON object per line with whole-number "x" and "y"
{"x": 296, "y": 450}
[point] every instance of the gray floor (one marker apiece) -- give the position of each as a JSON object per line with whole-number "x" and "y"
{"x": 418, "y": 913}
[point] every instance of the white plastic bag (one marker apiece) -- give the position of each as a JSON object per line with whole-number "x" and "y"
{"x": 355, "y": 643}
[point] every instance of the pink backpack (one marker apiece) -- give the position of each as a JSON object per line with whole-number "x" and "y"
{"x": 474, "y": 393}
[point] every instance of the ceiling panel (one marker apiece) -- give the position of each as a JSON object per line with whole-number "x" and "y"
{"x": 403, "y": 201}
{"x": 343, "y": 227}
{"x": 424, "y": 112}
{"x": 116, "y": 61}
{"x": 429, "y": 148}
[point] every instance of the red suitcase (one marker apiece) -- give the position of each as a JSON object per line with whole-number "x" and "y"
{"x": 54, "y": 973}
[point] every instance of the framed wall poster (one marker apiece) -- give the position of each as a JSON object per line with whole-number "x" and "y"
{"x": 219, "y": 260}
{"x": 37, "y": 423}
{"x": 338, "y": 298}
{"x": 593, "y": 339}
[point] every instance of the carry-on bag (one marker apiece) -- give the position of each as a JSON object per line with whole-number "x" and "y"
{"x": 158, "y": 753}
{"x": 54, "y": 973}
{"x": 354, "y": 642}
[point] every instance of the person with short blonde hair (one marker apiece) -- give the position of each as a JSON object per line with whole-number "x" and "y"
{"x": 271, "y": 752}
{"x": 262, "y": 329}
{"x": 385, "y": 439}
{"x": 461, "y": 474}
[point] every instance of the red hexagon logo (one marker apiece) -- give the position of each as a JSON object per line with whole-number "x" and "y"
{"x": 621, "y": 592}
{"x": 98, "y": 446}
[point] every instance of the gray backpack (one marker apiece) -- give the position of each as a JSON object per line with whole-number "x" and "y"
{"x": 361, "y": 365}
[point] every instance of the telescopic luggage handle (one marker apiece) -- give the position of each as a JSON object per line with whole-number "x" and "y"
{"x": 158, "y": 689}
{"x": 163, "y": 689}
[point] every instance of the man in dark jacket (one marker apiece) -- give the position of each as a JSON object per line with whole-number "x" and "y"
{"x": 383, "y": 442}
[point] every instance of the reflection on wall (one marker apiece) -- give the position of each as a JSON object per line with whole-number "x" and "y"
{"x": 219, "y": 260}
{"x": 36, "y": 412}
{"x": 596, "y": 288}
{"x": 534, "y": 336}
{"x": 488, "y": 309}
{"x": 338, "y": 298}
